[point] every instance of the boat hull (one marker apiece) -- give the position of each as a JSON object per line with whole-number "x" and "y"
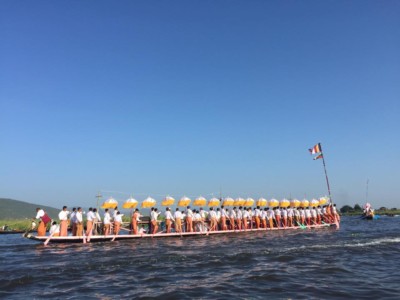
{"x": 123, "y": 237}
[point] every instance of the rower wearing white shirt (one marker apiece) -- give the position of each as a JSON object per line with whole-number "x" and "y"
{"x": 290, "y": 216}
{"x": 278, "y": 216}
{"x": 153, "y": 217}
{"x": 73, "y": 221}
{"x": 54, "y": 229}
{"x": 245, "y": 217}
{"x": 106, "y": 222}
{"x": 218, "y": 212}
{"x": 239, "y": 217}
{"x": 308, "y": 215}
{"x": 117, "y": 222}
{"x": 178, "y": 220}
{"x": 96, "y": 221}
{"x": 319, "y": 214}
{"x": 189, "y": 220}
{"x": 89, "y": 222}
{"x": 263, "y": 218}
{"x": 63, "y": 216}
{"x": 79, "y": 222}
{"x": 257, "y": 216}
{"x": 232, "y": 218}
{"x": 284, "y": 217}
{"x": 224, "y": 217}
{"x": 115, "y": 212}
{"x": 168, "y": 219}
{"x": 183, "y": 218}
{"x": 271, "y": 217}
{"x": 213, "y": 220}
{"x": 302, "y": 216}
{"x": 135, "y": 221}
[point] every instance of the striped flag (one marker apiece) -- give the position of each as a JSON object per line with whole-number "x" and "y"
{"x": 318, "y": 157}
{"x": 316, "y": 149}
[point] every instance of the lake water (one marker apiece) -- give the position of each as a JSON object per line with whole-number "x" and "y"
{"x": 361, "y": 260}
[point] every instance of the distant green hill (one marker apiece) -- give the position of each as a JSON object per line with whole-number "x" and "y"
{"x": 13, "y": 209}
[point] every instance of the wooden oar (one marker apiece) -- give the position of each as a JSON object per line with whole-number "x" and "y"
{"x": 301, "y": 225}
{"x": 48, "y": 239}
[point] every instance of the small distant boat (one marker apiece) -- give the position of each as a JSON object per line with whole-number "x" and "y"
{"x": 369, "y": 213}
{"x": 11, "y": 231}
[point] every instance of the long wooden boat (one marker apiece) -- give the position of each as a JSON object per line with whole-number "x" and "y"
{"x": 123, "y": 237}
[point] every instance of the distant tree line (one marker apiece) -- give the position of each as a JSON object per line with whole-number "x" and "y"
{"x": 358, "y": 209}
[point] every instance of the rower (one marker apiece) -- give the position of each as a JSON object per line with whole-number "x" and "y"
{"x": 44, "y": 219}
{"x": 263, "y": 218}
{"x": 89, "y": 222}
{"x": 135, "y": 221}
{"x": 296, "y": 212}
{"x": 257, "y": 215}
{"x": 178, "y": 220}
{"x": 314, "y": 215}
{"x": 97, "y": 221}
{"x": 245, "y": 217}
{"x": 302, "y": 216}
{"x": 168, "y": 220}
{"x": 271, "y": 217}
{"x": 79, "y": 222}
{"x": 224, "y": 216}
{"x": 154, "y": 222}
{"x": 73, "y": 221}
{"x": 278, "y": 216}
{"x": 284, "y": 217}
{"x": 308, "y": 215}
{"x": 213, "y": 220}
{"x": 319, "y": 214}
{"x": 117, "y": 222}
{"x": 63, "y": 216}
{"x": 290, "y": 214}
{"x": 218, "y": 212}
{"x": 239, "y": 217}
{"x": 189, "y": 219}
{"x": 54, "y": 229}
{"x": 106, "y": 222}
{"x": 232, "y": 218}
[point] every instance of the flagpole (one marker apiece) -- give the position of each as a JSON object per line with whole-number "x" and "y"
{"x": 326, "y": 175}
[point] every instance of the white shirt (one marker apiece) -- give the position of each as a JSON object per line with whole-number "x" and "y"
{"x": 168, "y": 215}
{"x": 239, "y": 214}
{"x": 277, "y": 212}
{"x": 54, "y": 229}
{"x": 233, "y": 214}
{"x": 154, "y": 215}
{"x": 63, "y": 215}
{"x": 284, "y": 213}
{"x": 290, "y": 212}
{"x": 78, "y": 217}
{"x": 308, "y": 213}
{"x": 203, "y": 214}
{"x": 213, "y": 214}
{"x": 245, "y": 214}
{"x": 178, "y": 215}
{"x": 189, "y": 213}
{"x": 224, "y": 213}
{"x": 271, "y": 214}
{"x": 257, "y": 212}
{"x": 297, "y": 213}
{"x": 40, "y": 214}
{"x": 263, "y": 215}
{"x": 218, "y": 215}
{"x": 118, "y": 218}
{"x": 98, "y": 216}
{"x": 90, "y": 216}
{"x": 314, "y": 213}
{"x": 107, "y": 218}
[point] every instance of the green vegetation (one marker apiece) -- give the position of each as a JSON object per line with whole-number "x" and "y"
{"x": 357, "y": 210}
{"x": 16, "y": 224}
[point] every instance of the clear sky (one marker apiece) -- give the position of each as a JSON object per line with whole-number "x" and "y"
{"x": 194, "y": 97}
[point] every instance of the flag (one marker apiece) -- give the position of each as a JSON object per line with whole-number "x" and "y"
{"x": 316, "y": 149}
{"x": 318, "y": 157}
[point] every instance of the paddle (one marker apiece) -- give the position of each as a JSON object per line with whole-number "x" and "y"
{"x": 301, "y": 225}
{"x": 48, "y": 239}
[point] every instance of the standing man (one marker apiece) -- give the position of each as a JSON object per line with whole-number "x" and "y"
{"x": 154, "y": 223}
{"x": 168, "y": 219}
{"x": 79, "y": 222}
{"x": 189, "y": 220}
{"x": 63, "y": 216}
{"x": 224, "y": 216}
{"x": 178, "y": 220}
{"x": 135, "y": 220}
{"x": 73, "y": 221}
{"x": 89, "y": 222}
{"x": 44, "y": 219}
{"x": 107, "y": 222}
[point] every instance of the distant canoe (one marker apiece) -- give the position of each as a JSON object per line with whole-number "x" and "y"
{"x": 11, "y": 231}
{"x": 123, "y": 237}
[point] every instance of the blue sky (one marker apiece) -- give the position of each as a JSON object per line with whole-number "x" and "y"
{"x": 194, "y": 97}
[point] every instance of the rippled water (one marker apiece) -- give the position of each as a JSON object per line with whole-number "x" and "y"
{"x": 361, "y": 260}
